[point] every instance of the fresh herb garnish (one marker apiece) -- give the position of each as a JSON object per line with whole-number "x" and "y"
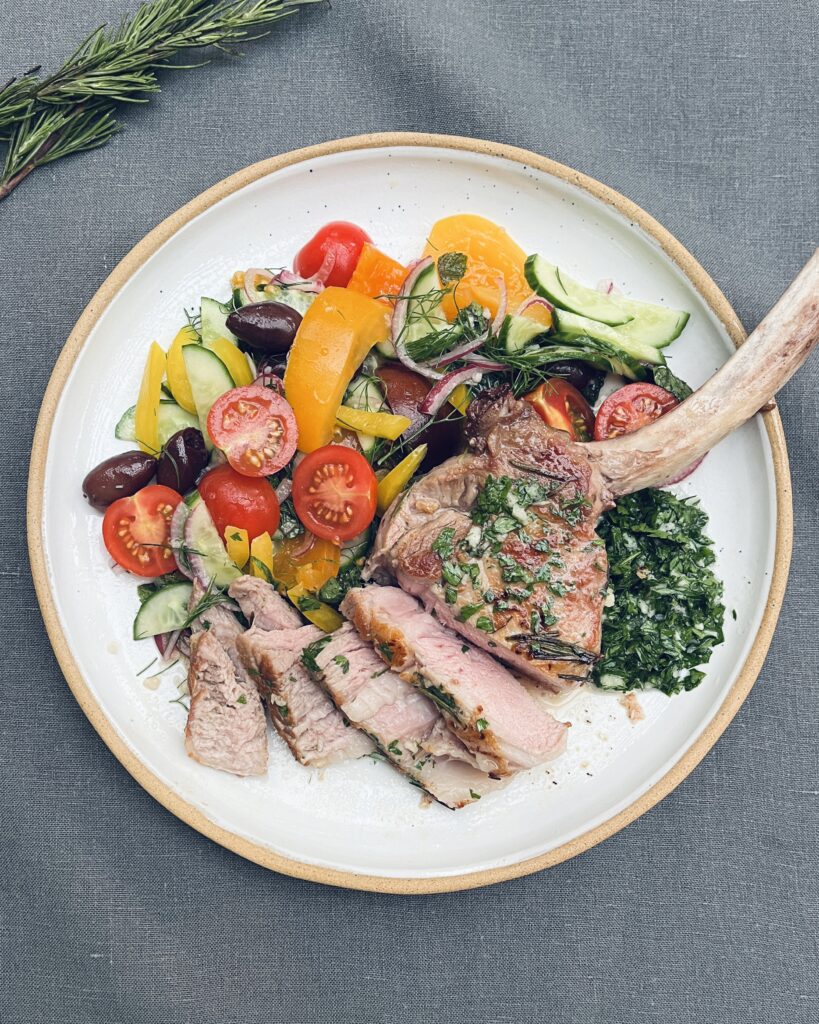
{"x": 451, "y": 267}
{"x": 393, "y": 748}
{"x": 481, "y": 725}
{"x": 311, "y": 652}
{"x": 668, "y": 613}
{"x": 664, "y": 378}
{"x": 342, "y": 663}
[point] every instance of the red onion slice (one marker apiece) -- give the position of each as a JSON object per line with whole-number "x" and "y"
{"x": 287, "y": 279}
{"x": 536, "y": 300}
{"x": 252, "y": 275}
{"x": 176, "y": 536}
{"x": 684, "y": 473}
{"x": 500, "y": 316}
{"x": 441, "y": 391}
{"x": 399, "y": 320}
{"x": 488, "y": 365}
{"x": 462, "y": 350}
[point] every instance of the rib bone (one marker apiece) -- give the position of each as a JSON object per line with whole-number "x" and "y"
{"x": 750, "y": 378}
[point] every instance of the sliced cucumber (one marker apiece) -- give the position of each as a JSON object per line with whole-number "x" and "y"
{"x": 424, "y": 315}
{"x": 365, "y": 394}
{"x": 205, "y": 551}
{"x": 547, "y": 280}
{"x": 171, "y": 418}
{"x": 298, "y": 300}
{"x": 519, "y": 331}
{"x": 164, "y": 611}
{"x": 570, "y": 326}
{"x": 209, "y": 378}
{"x": 214, "y": 316}
{"x": 652, "y": 325}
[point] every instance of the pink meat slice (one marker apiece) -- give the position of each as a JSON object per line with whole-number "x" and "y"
{"x": 404, "y": 724}
{"x": 485, "y": 706}
{"x": 261, "y": 604}
{"x": 302, "y": 714}
{"x": 226, "y": 726}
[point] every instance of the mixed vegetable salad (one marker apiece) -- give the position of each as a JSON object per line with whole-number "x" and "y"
{"x": 282, "y": 423}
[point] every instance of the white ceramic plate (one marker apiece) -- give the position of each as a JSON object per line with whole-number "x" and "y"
{"x": 359, "y": 824}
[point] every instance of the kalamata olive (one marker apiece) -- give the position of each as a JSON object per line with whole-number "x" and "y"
{"x": 118, "y": 477}
{"x": 574, "y": 371}
{"x": 182, "y": 460}
{"x": 266, "y": 326}
{"x": 405, "y": 390}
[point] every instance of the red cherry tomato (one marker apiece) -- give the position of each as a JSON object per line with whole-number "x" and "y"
{"x": 136, "y": 531}
{"x": 630, "y": 408}
{"x": 334, "y": 492}
{"x": 255, "y": 427}
{"x": 242, "y": 501}
{"x": 340, "y": 243}
{"x": 561, "y": 405}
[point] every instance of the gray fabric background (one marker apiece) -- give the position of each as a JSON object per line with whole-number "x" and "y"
{"x": 706, "y": 909}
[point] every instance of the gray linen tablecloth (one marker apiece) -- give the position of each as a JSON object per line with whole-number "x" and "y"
{"x": 706, "y": 909}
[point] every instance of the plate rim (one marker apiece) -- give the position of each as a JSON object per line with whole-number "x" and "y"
{"x": 163, "y": 793}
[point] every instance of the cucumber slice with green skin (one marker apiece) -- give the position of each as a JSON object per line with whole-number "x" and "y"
{"x": 519, "y": 331}
{"x": 547, "y": 280}
{"x": 292, "y": 297}
{"x": 214, "y": 320}
{"x": 205, "y": 552}
{"x": 171, "y": 418}
{"x": 424, "y": 314}
{"x": 164, "y": 611}
{"x": 569, "y": 326}
{"x": 652, "y": 325}
{"x": 365, "y": 394}
{"x": 209, "y": 378}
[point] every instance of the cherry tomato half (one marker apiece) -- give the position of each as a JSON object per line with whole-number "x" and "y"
{"x": 630, "y": 408}
{"x": 242, "y": 501}
{"x": 136, "y": 531}
{"x": 255, "y": 427}
{"x": 334, "y": 492}
{"x": 341, "y": 239}
{"x": 560, "y": 405}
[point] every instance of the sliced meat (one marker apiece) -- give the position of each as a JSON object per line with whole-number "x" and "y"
{"x": 217, "y": 619}
{"x": 403, "y": 723}
{"x": 486, "y": 707}
{"x": 226, "y": 726}
{"x": 501, "y": 544}
{"x": 261, "y": 604}
{"x": 302, "y": 714}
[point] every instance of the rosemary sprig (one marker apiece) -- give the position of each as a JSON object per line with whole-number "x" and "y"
{"x": 45, "y": 119}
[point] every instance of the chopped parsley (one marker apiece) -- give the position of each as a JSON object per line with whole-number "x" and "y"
{"x": 444, "y": 545}
{"x": 664, "y": 378}
{"x": 468, "y": 610}
{"x": 394, "y": 749}
{"x": 241, "y": 699}
{"x": 312, "y": 651}
{"x": 342, "y": 663}
{"x": 482, "y": 725}
{"x": 668, "y": 612}
{"x": 308, "y": 604}
{"x": 485, "y": 624}
{"x": 474, "y": 795}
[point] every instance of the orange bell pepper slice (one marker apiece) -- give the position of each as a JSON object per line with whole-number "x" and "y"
{"x": 337, "y": 332}
{"x": 377, "y": 274}
{"x": 490, "y": 254}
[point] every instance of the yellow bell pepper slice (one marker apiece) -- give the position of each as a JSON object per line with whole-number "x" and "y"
{"x": 146, "y": 416}
{"x": 177, "y": 374}
{"x": 317, "y": 612}
{"x": 235, "y": 361}
{"x": 337, "y": 332}
{"x": 376, "y": 424}
{"x": 237, "y": 544}
{"x": 261, "y": 557}
{"x": 397, "y": 479}
{"x": 460, "y": 399}
{"x": 310, "y": 567}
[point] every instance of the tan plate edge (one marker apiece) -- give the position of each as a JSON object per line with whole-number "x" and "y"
{"x": 163, "y": 793}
